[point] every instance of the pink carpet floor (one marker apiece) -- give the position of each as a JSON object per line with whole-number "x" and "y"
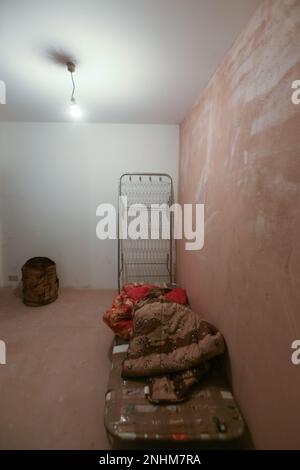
{"x": 53, "y": 385}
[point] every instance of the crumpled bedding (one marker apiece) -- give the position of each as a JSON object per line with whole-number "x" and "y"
{"x": 171, "y": 346}
{"x": 133, "y": 296}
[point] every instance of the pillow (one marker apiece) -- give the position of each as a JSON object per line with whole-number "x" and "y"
{"x": 177, "y": 295}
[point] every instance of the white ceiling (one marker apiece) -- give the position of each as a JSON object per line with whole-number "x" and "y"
{"x": 141, "y": 61}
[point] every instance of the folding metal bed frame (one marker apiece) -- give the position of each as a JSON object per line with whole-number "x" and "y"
{"x": 211, "y": 414}
{"x": 146, "y": 260}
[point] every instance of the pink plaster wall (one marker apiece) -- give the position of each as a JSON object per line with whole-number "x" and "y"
{"x": 240, "y": 155}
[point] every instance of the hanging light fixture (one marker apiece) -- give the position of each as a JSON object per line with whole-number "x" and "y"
{"x": 75, "y": 109}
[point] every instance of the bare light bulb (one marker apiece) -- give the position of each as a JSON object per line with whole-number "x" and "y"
{"x": 75, "y": 110}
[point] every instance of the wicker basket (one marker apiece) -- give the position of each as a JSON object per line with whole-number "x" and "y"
{"x": 40, "y": 283}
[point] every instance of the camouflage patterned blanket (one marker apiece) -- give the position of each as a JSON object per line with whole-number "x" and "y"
{"x": 171, "y": 346}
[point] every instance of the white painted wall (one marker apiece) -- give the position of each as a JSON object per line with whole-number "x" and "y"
{"x": 52, "y": 178}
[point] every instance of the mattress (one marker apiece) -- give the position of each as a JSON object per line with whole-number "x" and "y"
{"x": 210, "y": 413}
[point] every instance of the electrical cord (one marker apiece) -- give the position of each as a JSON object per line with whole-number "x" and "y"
{"x": 73, "y": 91}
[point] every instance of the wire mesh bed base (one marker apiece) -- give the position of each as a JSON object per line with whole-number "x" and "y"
{"x": 147, "y": 259}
